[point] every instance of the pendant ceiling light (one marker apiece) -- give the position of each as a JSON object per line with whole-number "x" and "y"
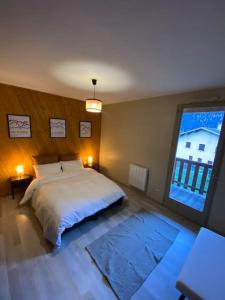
{"x": 94, "y": 105}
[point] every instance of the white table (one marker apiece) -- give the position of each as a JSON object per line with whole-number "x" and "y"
{"x": 203, "y": 274}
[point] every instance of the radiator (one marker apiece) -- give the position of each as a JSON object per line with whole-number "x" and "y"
{"x": 138, "y": 176}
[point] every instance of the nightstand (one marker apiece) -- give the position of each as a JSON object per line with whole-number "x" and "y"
{"x": 20, "y": 182}
{"x": 95, "y": 166}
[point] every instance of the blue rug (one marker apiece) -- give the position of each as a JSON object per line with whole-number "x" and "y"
{"x": 128, "y": 253}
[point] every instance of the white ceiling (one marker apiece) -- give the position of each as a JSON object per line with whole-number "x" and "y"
{"x": 135, "y": 48}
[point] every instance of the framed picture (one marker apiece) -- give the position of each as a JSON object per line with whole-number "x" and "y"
{"x": 57, "y": 128}
{"x": 19, "y": 126}
{"x": 85, "y": 129}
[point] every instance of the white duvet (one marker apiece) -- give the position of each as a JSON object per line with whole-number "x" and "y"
{"x": 62, "y": 200}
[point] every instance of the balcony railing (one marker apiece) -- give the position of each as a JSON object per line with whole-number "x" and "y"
{"x": 192, "y": 175}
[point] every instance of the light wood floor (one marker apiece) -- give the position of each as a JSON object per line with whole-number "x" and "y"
{"x": 30, "y": 270}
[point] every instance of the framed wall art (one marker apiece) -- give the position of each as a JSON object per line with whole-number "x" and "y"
{"x": 19, "y": 126}
{"x": 57, "y": 128}
{"x": 85, "y": 129}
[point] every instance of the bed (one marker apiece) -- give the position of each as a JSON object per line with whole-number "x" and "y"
{"x": 65, "y": 193}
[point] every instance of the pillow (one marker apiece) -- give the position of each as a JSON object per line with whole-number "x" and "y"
{"x": 66, "y": 157}
{"x": 71, "y": 165}
{"x": 47, "y": 169}
{"x": 45, "y": 159}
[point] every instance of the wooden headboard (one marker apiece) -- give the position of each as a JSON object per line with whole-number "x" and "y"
{"x": 71, "y": 156}
{"x": 53, "y": 158}
{"x": 45, "y": 159}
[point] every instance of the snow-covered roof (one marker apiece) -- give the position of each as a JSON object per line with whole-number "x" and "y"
{"x": 210, "y": 130}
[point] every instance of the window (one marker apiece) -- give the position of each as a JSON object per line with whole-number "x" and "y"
{"x": 188, "y": 145}
{"x": 210, "y": 162}
{"x": 201, "y": 147}
{"x": 190, "y": 157}
{"x": 199, "y": 160}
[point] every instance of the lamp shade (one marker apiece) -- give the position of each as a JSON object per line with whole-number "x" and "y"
{"x": 93, "y": 105}
{"x": 20, "y": 170}
{"x": 90, "y": 161}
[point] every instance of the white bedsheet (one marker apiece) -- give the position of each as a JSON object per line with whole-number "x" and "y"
{"x": 61, "y": 201}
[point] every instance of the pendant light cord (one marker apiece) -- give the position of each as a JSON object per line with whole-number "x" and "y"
{"x": 94, "y": 82}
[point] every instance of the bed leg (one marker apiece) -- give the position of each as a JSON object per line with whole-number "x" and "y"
{"x": 182, "y": 297}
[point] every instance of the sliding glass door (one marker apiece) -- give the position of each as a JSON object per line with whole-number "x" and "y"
{"x": 195, "y": 159}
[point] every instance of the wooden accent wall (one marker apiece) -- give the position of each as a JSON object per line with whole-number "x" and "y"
{"x": 42, "y": 106}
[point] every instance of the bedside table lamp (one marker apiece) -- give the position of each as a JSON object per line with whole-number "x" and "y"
{"x": 20, "y": 170}
{"x": 90, "y": 161}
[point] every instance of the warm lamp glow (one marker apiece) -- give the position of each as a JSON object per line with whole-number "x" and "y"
{"x": 20, "y": 170}
{"x": 90, "y": 161}
{"x": 93, "y": 105}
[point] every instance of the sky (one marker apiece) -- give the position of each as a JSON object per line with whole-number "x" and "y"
{"x": 201, "y": 119}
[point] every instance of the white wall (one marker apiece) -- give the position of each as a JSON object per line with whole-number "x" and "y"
{"x": 195, "y": 138}
{"x": 141, "y": 132}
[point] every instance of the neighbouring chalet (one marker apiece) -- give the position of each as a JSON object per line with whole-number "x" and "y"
{"x": 198, "y": 144}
